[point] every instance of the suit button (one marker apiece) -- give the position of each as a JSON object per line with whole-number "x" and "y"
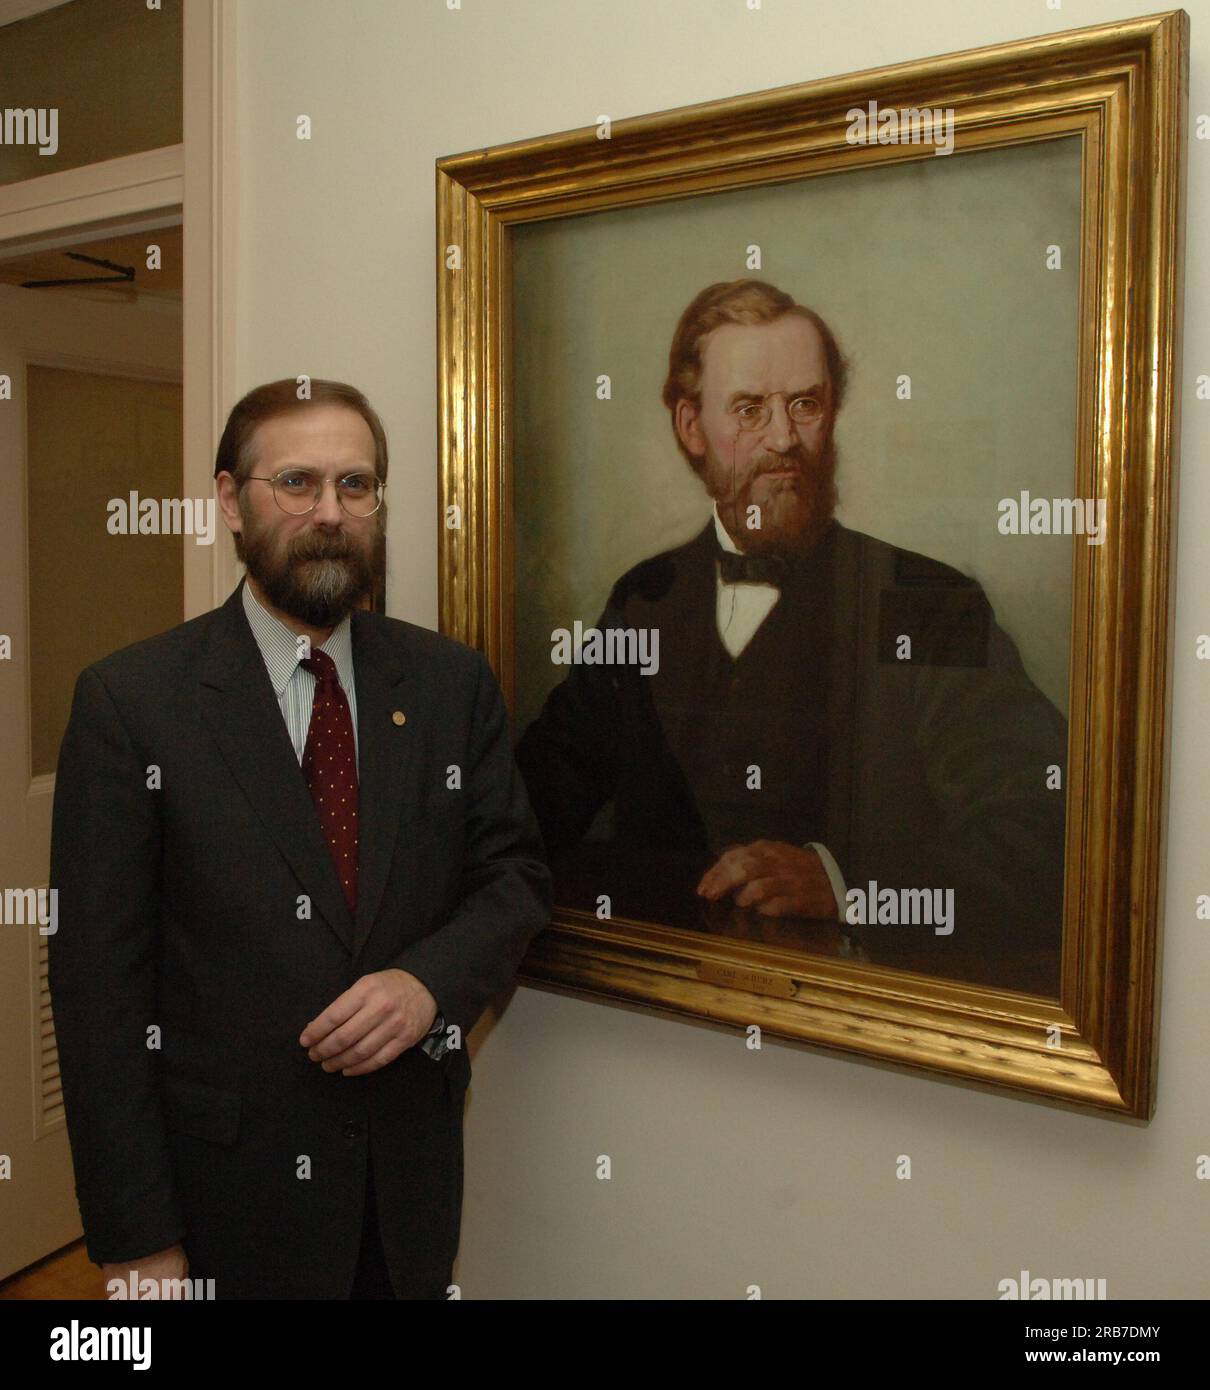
{"x": 352, "y": 1129}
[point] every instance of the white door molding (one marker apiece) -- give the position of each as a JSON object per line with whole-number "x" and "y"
{"x": 100, "y": 195}
{"x": 211, "y": 193}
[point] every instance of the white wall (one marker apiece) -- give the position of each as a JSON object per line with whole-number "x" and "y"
{"x": 730, "y": 1167}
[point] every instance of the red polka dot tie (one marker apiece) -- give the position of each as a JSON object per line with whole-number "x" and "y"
{"x": 330, "y": 766}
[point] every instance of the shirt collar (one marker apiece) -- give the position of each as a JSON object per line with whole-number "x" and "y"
{"x": 279, "y": 644}
{"x": 724, "y": 538}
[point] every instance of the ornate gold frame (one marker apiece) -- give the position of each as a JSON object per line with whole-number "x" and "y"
{"x": 1123, "y": 88}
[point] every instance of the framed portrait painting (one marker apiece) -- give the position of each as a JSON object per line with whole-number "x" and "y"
{"x": 807, "y": 466}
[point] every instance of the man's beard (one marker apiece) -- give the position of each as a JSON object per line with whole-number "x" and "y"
{"x": 796, "y": 512}
{"x": 321, "y": 575}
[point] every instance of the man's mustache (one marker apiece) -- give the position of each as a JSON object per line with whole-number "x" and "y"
{"x": 778, "y": 463}
{"x": 819, "y": 460}
{"x": 321, "y": 548}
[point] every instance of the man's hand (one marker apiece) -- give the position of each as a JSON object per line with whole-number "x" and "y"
{"x": 775, "y": 878}
{"x": 164, "y": 1264}
{"x": 371, "y": 1023}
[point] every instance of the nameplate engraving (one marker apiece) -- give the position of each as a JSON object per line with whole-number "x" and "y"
{"x": 736, "y": 977}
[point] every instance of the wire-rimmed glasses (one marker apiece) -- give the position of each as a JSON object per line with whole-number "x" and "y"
{"x": 298, "y": 490}
{"x": 756, "y": 414}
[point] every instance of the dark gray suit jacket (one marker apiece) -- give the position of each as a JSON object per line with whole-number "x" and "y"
{"x": 184, "y": 910}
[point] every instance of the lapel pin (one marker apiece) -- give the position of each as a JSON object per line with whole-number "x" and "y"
{"x": 398, "y": 717}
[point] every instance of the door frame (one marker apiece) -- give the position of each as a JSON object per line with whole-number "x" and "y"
{"x": 195, "y": 184}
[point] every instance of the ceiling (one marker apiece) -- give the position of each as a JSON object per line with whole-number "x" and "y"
{"x": 128, "y": 251}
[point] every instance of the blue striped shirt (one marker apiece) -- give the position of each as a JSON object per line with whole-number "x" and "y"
{"x": 293, "y": 684}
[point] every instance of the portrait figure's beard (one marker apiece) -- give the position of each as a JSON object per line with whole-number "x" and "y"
{"x": 794, "y": 512}
{"x": 318, "y": 576}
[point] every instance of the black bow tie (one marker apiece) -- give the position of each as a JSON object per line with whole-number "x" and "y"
{"x": 753, "y": 569}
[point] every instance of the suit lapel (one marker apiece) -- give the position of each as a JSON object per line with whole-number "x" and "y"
{"x": 241, "y": 711}
{"x": 692, "y": 654}
{"x": 387, "y": 686}
{"x": 850, "y": 605}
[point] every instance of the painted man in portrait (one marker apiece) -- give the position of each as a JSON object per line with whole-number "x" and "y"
{"x": 837, "y": 731}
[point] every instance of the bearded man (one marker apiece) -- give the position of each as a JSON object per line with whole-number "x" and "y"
{"x": 295, "y": 860}
{"x": 828, "y": 712}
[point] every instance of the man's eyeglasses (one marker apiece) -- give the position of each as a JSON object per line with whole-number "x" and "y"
{"x": 298, "y": 490}
{"x": 755, "y": 415}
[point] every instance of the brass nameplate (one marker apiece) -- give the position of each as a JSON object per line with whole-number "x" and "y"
{"x": 736, "y": 977}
